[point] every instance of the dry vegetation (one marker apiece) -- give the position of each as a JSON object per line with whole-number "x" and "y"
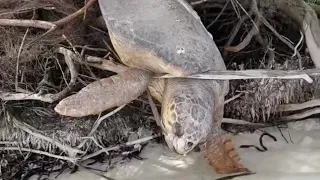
{"x": 44, "y": 65}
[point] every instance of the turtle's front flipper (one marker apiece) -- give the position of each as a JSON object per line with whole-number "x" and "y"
{"x": 222, "y": 156}
{"x": 218, "y": 149}
{"x": 106, "y": 93}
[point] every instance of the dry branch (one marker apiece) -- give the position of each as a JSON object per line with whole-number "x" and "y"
{"x": 105, "y": 64}
{"x": 198, "y": 2}
{"x": 296, "y": 47}
{"x": 73, "y": 160}
{"x": 28, "y": 23}
{"x": 233, "y": 98}
{"x": 251, "y": 74}
{"x": 96, "y": 62}
{"x": 68, "y": 56}
{"x": 306, "y": 17}
{"x": 76, "y": 14}
{"x": 266, "y": 23}
{"x": 236, "y": 29}
{"x": 18, "y": 59}
{"x": 155, "y": 112}
{"x": 221, "y": 12}
{"x": 98, "y": 122}
{"x": 117, "y": 147}
{"x": 9, "y": 96}
{"x": 254, "y": 31}
{"x": 242, "y": 122}
{"x": 295, "y": 107}
{"x": 302, "y": 115}
{"x": 44, "y": 24}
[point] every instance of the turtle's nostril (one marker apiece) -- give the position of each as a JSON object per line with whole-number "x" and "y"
{"x": 189, "y": 145}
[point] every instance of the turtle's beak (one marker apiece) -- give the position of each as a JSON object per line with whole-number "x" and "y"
{"x": 178, "y": 145}
{"x": 169, "y": 140}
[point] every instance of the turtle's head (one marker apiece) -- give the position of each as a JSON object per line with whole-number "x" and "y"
{"x": 186, "y": 125}
{"x": 186, "y": 117}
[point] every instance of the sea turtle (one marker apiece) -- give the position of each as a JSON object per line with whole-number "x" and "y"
{"x": 155, "y": 37}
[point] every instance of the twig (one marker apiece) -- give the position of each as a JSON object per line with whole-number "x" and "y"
{"x": 254, "y": 31}
{"x": 18, "y": 59}
{"x": 27, "y": 23}
{"x": 97, "y": 62}
{"x": 76, "y": 14}
{"x": 232, "y": 98}
{"x": 298, "y": 44}
{"x": 198, "y": 2}
{"x": 282, "y": 134}
{"x": 8, "y": 96}
{"x": 73, "y": 72}
{"x": 250, "y": 74}
{"x": 218, "y": 75}
{"x": 73, "y": 160}
{"x": 236, "y": 10}
{"x": 221, "y": 12}
{"x": 236, "y": 30}
{"x": 69, "y": 55}
{"x": 44, "y": 24}
{"x": 8, "y": 142}
{"x": 96, "y": 142}
{"x": 117, "y": 147}
{"x": 289, "y": 134}
{"x": 281, "y": 38}
{"x": 244, "y": 10}
{"x": 242, "y": 122}
{"x": 98, "y": 122}
{"x": 234, "y": 175}
{"x": 155, "y": 112}
{"x": 302, "y": 114}
{"x": 266, "y": 23}
{"x": 261, "y": 125}
{"x": 50, "y": 26}
{"x": 295, "y": 107}
{"x": 26, "y": 9}
{"x": 61, "y": 70}
{"x": 105, "y": 64}
{"x": 112, "y": 50}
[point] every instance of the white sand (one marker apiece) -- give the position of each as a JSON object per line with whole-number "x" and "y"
{"x": 282, "y": 161}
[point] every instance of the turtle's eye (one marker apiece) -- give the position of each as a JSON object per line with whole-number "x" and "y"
{"x": 177, "y": 129}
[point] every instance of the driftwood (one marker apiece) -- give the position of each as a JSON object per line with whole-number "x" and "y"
{"x": 50, "y": 26}
{"x": 253, "y": 74}
{"x": 304, "y": 105}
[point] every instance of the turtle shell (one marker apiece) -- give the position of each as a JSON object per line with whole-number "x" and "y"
{"x": 162, "y": 36}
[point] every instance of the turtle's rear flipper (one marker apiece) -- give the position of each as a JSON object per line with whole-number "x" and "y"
{"x": 222, "y": 156}
{"x": 106, "y": 93}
